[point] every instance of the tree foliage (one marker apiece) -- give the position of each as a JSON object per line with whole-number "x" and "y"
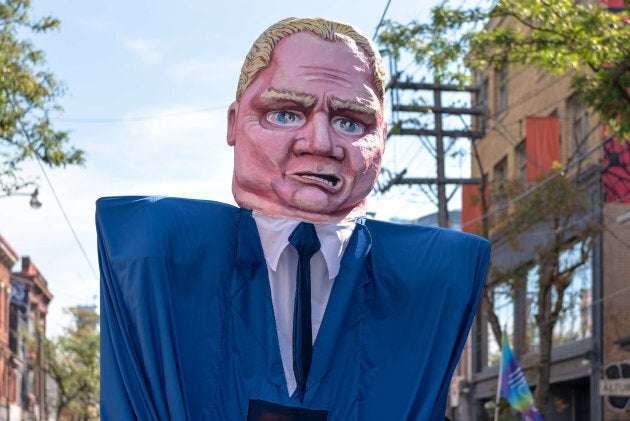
{"x": 556, "y": 215}
{"x": 28, "y": 94}
{"x": 587, "y": 42}
{"x": 558, "y": 36}
{"x": 72, "y": 361}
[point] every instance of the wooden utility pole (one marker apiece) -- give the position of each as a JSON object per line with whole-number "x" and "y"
{"x": 439, "y": 154}
{"x": 438, "y": 132}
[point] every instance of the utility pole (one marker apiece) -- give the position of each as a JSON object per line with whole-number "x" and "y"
{"x": 41, "y": 376}
{"x": 438, "y": 133}
{"x": 439, "y": 154}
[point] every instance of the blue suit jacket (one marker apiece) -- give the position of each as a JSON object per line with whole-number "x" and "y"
{"x": 188, "y": 331}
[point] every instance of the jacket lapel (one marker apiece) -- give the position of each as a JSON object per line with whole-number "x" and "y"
{"x": 345, "y": 307}
{"x": 251, "y": 300}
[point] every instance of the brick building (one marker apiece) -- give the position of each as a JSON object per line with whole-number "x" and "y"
{"x": 24, "y": 300}
{"x": 8, "y": 373}
{"x": 535, "y": 122}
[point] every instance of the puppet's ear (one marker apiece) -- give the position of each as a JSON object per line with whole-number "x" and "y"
{"x": 231, "y": 123}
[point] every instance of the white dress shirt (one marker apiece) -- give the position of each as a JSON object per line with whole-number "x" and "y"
{"x": 282, "y": 262}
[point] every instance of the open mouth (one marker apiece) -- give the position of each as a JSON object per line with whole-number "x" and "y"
{"x": 327, "y": 179}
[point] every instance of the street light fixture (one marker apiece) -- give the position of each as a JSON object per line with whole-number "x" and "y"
{"x": 34, "y": 202}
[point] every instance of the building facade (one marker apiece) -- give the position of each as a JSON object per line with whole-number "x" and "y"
{"x": 8, "y": 371}
{"x": 24, "y": 300}
{"x": 536, "y": 126}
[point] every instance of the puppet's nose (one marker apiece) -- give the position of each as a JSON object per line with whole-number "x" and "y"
{"x": 318, "y": 138}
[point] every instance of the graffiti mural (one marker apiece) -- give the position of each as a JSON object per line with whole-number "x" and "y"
{"x": 616, "y": 172}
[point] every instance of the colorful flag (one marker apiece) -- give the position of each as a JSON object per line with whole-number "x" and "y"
{"x": 514, "y": 387}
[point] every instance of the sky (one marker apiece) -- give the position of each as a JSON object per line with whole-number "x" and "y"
{"x": 148, "y": 83}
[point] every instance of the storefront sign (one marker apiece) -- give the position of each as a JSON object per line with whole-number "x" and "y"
{"x": 619, "y": 387}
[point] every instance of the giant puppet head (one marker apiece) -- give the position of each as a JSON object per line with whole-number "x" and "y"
{"x": 307, "y": 125}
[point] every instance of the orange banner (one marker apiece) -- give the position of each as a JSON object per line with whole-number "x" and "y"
{"x": 471, "y": 209}
{"x": 542, "y": 145}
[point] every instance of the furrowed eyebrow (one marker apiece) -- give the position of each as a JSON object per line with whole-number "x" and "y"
{"x": 303, "y": 99}
{"x": 339, "y": 104}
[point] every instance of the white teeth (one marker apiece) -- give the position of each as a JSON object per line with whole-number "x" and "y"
{"x": 318, "y": 178}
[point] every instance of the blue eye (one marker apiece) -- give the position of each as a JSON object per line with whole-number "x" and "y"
{"x": 347, "y": 126}
{"x": 285, "y": 118}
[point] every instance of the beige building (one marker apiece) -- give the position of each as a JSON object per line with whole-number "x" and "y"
{"x": 535, "y": 124}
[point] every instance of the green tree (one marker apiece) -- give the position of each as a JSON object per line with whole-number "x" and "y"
{"x": 72, "y": 360}
{"x": 557, "y": 211}
{"x": 28, "y": 94}
{"x": 558, "y": 36}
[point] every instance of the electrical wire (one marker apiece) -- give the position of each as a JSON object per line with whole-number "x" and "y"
{"x": 591, "y": 215}
{"x": 116, "y": 120}
{"x": 539, "y": 185}
{"x": 65, "y": 215}
{"x": 61, "y": 207}
{"x": 382, "y": 20}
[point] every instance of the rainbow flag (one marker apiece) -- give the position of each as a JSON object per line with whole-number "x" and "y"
{"x": 513, "y": 385}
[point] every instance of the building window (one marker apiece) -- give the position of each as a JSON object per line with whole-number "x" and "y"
{"x": 484, "y": 99}
{"x": 499, "y": 194}
{"x": 499, "y": 177}
{"x": 503, "y": 306}
{"x": 578, "y": 112}
{"x": 501, "y": 89}
{"x": 3, "y": 299}
{"x": 521, "y": 161}
{"x": 500, "y": 170}
{"x": 31, "y": 324}
{"x": 532, "y": 338}
{"x": 575, "y": 320}
{"x": 30, "y": 381}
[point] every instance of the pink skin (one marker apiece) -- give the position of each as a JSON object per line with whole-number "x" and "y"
{"x": 308, "y": 132}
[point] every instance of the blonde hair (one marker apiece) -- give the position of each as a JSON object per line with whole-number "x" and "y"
{"x": 260, "y": 54}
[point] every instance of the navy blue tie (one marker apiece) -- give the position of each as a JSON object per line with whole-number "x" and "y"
{"x": 304, "y": 239}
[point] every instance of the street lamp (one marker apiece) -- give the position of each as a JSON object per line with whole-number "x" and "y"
{"x": 34, "y": 202}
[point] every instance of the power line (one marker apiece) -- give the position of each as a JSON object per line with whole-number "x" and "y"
{"x": 381, "y": 21}
{"x": 505, "y": 134}
{"x": 609, "y": 296}
{"x": 116, "y": 120}
{"x": 54, "y": 192}
{"x": 539, "y": 185}
{"x": 613, "y": 234}
{"x": 65, "y": 215}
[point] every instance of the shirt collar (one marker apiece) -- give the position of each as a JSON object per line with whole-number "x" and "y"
{"x": 274, "y": 232}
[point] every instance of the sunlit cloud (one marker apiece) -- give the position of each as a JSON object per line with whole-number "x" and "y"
{"x": 143, "y": 49}
{"x": 205, "y": 69}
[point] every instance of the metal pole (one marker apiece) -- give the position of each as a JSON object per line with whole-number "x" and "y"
{"x": 41, "y": 376}
{"x": 498, "y": 398}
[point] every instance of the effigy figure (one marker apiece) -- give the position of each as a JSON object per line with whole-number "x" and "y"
{"x": 293, "y": 305}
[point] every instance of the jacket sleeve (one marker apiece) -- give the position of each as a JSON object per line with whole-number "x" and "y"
{"x": 165, "y": 264}
{"x": 132, "y": 294}
{"x": 427, "y": 283}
